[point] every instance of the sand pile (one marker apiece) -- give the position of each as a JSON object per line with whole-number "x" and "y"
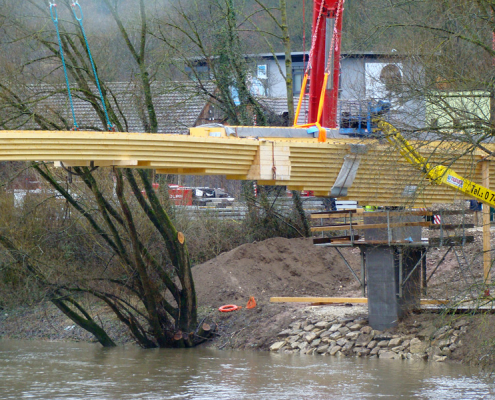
{"x": 274, "y": 267}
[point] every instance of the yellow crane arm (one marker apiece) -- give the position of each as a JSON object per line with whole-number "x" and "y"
{"x": 439, "y": 175}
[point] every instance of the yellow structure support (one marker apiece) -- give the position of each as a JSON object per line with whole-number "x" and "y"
{"x": 341, "y": 300}
{"x": 301, "y": 97}
{"x": 322, "y": 98}
{"x": 383, "y": 178}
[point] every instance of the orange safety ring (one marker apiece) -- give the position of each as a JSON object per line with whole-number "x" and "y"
{"x": 229, "y": 308}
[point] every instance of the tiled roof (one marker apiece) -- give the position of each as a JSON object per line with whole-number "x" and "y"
{"x": 177, "y": 105}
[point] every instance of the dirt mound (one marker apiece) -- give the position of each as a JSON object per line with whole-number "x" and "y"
{"x": 274, "y": 267}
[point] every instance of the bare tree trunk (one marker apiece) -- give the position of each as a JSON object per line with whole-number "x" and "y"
{"x": 79, "y": 316}
{"x": 296, "y": 198}
{"x": 238, "y": 64}
{"x": 139, "y": 56}
{"x": 492, "y": 111}
{"x": 85, "y": 321}
{"x": 288, "y": 61}
{"x": 179, "y": 255}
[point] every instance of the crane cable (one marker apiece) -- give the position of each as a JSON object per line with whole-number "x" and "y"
{"x": 340, "y": 8}
{"x": 80, "y": 21}
{"x": 333, "y": 43}
{"x": 303, "y": 87}
{"x": 340, "y": 5}
{"x": 314, "y": 36}
{"x": 54, "y": 15}
{"x": 304, "y": 33}
{"x": 330, "y": 60}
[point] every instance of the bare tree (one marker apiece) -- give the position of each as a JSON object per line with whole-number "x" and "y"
{"x": 451, "y": 43}
{"x": 143, "y": 269}
{"x": 282, "y": 23}
{"x": 205, "y": 38}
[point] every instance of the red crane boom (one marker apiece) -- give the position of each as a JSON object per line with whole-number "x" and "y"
{"x": 323, "y": 70}
{"x": 325, "y": 59}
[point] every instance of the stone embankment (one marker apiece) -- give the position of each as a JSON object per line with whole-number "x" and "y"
{"x": 353, "y": 337}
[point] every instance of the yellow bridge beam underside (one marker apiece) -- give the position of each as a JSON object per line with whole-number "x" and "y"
{"x": 342, "y": 300}
{"x": 383, "y": 177}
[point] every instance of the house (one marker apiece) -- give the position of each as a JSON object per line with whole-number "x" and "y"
{"x": 451, "y": 111}
{"x": 365, "y": 77}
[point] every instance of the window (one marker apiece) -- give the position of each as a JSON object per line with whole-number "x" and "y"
{"x": 198, "y": 72}
{"x": 262, "y": 71}
{"x": 297, "y": 79}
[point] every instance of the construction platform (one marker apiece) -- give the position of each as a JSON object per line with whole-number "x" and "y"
{"x": 393, "y": 255}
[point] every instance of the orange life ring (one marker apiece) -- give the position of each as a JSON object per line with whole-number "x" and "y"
{"x": 228, "y": 308}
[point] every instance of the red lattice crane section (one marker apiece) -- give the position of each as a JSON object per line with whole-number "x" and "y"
{"x": 324, "y": 63}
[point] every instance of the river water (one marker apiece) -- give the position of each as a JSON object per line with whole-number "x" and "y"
{"x": 56, "y": 370}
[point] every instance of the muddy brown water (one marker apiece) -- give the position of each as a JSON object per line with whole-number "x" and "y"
{"x": 53, "y": 370}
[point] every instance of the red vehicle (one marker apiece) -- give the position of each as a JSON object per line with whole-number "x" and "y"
{"x": 187, "y": 196}
{"x": 180, "y": 195}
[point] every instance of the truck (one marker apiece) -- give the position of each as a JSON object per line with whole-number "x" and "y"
{"x": 196, "y": 196}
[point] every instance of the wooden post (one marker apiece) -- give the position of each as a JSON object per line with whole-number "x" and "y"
{"x": 487, "y": 260}
{"x": 363, "y": 272}
{"x": 424, "y": 282}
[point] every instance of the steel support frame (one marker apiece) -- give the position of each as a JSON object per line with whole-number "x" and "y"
{"x": 420, "y": 262}
{"x": 362, "y": 281}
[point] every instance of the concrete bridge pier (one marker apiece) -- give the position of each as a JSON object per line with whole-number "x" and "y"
{"x": 393, "y": 275}
{"x": 394, "y": 258}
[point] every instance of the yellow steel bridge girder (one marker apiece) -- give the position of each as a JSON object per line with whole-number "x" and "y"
{"x": 383, "y": 178}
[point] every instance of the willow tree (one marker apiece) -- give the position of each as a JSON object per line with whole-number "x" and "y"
{"x": 144, "y": 275}
{"x": 149, "y": 257}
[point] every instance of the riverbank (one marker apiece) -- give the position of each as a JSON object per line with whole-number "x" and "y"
{"x": 44, "y": 321}
{"x": 283, "y": 267}
{"x": 333, "y": 331}
{"x": 343, "y": 331}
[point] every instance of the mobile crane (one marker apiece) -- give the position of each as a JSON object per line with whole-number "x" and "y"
{"x": 323, "y": 74}
{"x": 438, "y": 175}
{"x": 323, "y": 97}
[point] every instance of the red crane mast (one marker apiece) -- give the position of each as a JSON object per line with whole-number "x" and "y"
{"x": 324, "y": 62}
{"x": 327, "y": 34}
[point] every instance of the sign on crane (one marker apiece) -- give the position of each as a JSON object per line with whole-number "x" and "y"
{"x": 440, "y": 174}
